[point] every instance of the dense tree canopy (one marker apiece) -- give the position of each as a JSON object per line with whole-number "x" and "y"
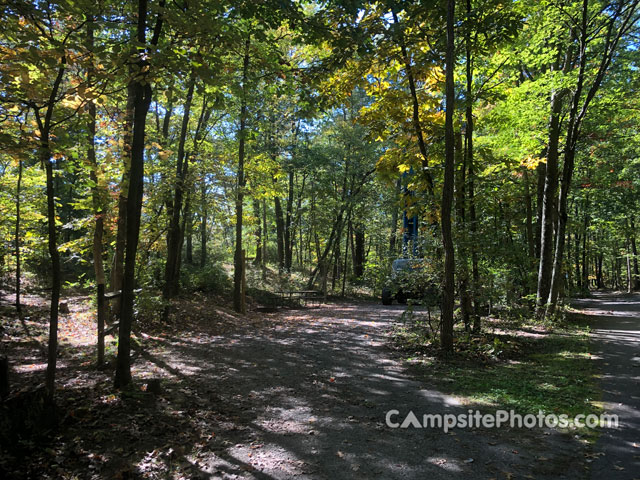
{"x": 155, "y": 147}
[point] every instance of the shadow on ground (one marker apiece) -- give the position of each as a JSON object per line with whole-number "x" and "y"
{"x": 293, "y": 394}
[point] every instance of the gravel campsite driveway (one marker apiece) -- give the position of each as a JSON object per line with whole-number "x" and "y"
{"x": 306, "y": 397}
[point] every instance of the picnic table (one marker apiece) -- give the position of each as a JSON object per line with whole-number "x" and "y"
{"x": 300, "y": 297}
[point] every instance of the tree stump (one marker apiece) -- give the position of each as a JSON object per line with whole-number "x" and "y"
{"x": 63, "y": 308}
{"x": 154, "y": 386}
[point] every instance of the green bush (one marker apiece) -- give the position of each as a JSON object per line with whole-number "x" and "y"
{"x": 210, "y": 278}
{"x": 375, "y": 274}
{"x": 148, "y": 305}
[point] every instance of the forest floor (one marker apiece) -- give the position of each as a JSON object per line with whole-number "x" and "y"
{"x": 293, "y": 394}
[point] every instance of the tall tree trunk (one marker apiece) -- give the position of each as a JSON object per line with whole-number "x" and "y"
{"x": 548, "y": 206}
{"x": 279, "y": 232}
{"x": 183, "y": 229}
{"x": 623, "y": 13}
{"x": 238, "y": 261}
{"x": 394, "y": 220}
{"x": 576, "y": 260}
{"x": 297, "y": 227}
{"x": 541, "y": 171}
{"x": 567, "y": 169}
{"x": 98, "y": 206}
{"x": 634, "y": 250}
{"x": 346, "y": 256}
{"x": 336, "y": 264}
{"x": 265, "y": 232}
{"x": 529, "y": 215}
{"x": 358, "y": 249}
{"x": 44, "y": 130}
{"x": 175, "y": 233}
{"x": 117, "y": 272}
{"x": 142, "y": 91}
{"x": 469, "y": 160}
{"x": 585, "y": 267}
{"x": 460, "y": 202}
{"x": 188, "y": 220}
{"x": 629, "y": 277}
{"x": 45, "y": 157}
{"x": 203, "y": 223}
{"x": 17, "y": 239}
{"x": 256, "y": 213}
{"x": 288, "y": 245}
{"x": 570, "y": 248}
{"x": 447, "y": 188}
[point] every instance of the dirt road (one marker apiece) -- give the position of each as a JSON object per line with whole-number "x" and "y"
{"x": 616, "y": 323}
{"x": 308, "y": 398}
{"x": 299, "y": 394}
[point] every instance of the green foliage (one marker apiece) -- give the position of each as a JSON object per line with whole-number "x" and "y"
{"x": 211, "y": 278}
{"x": 331, "y": 127}
{"x": 420, "y": 281}
{"x": 148, "y": 306}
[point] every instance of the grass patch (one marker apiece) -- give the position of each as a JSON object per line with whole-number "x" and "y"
{"x": 556, "y": 379}
{"x": 522, "y": 367}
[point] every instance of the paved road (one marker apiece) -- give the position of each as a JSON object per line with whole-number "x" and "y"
{"x": 616, "y": 323}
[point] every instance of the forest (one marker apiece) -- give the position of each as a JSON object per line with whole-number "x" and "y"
{"x": 165, "y": 163}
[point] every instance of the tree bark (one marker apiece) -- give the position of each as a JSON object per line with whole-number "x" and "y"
{"x": 265, "y": 232}
{"x": 45, "y": 157}
{"x": 189, "y": 234}
{"x": 142, "y": 92}
{"x": 576, "y": 253}
{"x": 238, "y": 263}
{"x": 541, "y": 171}
{"x": 17, "y": 240}
{"x": 529, "y": 215}
{"x": 288, "y": 244}
{"x": 203, "y": 223}
{"x": 346, "y": 257}
{"x": 548, "y": 206}
{"x": 634, "y": 250}
{"x": 279, "y": 232}
{"x": 44, "y": 130}
{"x": 394, "y": 220}
{"x": 469, "y": 160}
{"x": 585, "y": 267}
{"x": 447, "y": 188}
{"x": 175, "y": 233}
{"x": 460, "y": 203}
{"x": 358, "y": 249}
{"x": 256, "y": 212}
{"x": 117, "y": 272}
{"x": 98, "y": 207}
{"x": 629, "y": 278}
